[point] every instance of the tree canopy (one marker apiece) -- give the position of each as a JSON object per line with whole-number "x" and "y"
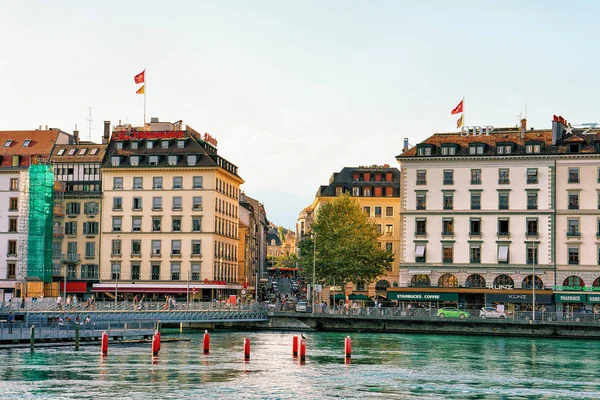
{"x": 344, "y": 242}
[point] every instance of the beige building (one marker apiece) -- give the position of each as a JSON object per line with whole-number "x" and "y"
{"x": 170, "y": 214}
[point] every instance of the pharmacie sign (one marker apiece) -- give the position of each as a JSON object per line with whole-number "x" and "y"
{"x": 570, "y": 298}
{"x": 576, "y": 289}
{"x": 422, "y": 296}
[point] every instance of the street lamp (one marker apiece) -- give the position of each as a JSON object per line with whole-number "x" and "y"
{"x": 314, "y": 271}
{"x": 533, "y": 286}
{"x": 118, "y": 270}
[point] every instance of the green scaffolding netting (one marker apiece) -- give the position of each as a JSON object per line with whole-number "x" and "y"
{"x": 41, "y": 201}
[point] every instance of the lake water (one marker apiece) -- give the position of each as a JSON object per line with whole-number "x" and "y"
{"x": 383, "y": 366}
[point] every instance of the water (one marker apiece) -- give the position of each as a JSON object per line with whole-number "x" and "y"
{"x": 383, "y": 366}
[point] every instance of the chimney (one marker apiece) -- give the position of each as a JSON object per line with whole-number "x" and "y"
{"x": 46, "y": 128}
{"x": 154, "y": 120}
{"x": 523, "y": 127}
{"x": 106, "y": 132}
{"x": 405, "y": 147}
{"x": 558, "y": 126}
{"x": 76, "y": 136}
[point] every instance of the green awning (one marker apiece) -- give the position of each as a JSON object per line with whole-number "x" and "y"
{"x": 358, "y": 296}
{"x": 338, "y": 296}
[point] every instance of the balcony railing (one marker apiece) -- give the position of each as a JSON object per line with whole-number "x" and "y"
{"x": 475, "y": 181}
{"x": 502, "y": 233}
{"x": 475, "y": 233}
{"x": 70, "y": 258}
{"x": 475, "y": 260}
{"x": 424, "y": 233}
{"x": 448, "y": 259}
{"x": 447, "y": 233}
{"x": 574, "y": 206}
{"x": 531, "y": 179}
{"x": 573, "y": 234}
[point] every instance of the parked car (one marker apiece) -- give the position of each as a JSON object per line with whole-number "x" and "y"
{"x": 303, "y": 306}
{"x": 491, "y": 312}
{"x": 452, "y": 312}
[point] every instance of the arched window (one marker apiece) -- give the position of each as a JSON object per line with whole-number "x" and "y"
{"x": 574, "y": 281}
{"x": 475, "y": 281}
{"x": 421, "y": 280}
{"x": 447, "y": 280}
{"x": 382, "y": 285}
{"x": 504, "y": 280}
{"x": 360, "y": 287}
{"x": 528, "y": 282}
{"x": 596, "y": 283}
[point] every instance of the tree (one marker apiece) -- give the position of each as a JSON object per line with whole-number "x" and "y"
{"x": 346, "y": 248}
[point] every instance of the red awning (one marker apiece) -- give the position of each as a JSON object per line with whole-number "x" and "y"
{"x": 74, "y": 287}
{"x": 146, "y": 290}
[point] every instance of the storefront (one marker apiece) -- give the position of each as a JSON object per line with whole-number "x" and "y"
{"x": 568, "y": 302}
{"x": 423, "y": 300}
{"x": 519, "y": 301}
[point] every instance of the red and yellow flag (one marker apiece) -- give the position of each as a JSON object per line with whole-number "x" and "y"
{"x": 141, "y": 90}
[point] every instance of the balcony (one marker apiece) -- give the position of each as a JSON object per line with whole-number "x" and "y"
{"x": 421, "y": 182}
{"x": 447, "y": 233}
{"x": 448, "y": 181}
{"x": 532, "y": 234}
{"x": 574, "y": 206}
{"x": 58, "y": 231}
{"x": 573, "y": 234}
{"x": 11, "y": 254}
{"x": 70, "y": 258}
{"x": 475, "y": 233}
{"x": 475, "y": 260}
{"x": 475, "y": 181}
{"x": 503, "y": 181}
{"x": 59, "y": 210}
{"x": 475, "y": 207}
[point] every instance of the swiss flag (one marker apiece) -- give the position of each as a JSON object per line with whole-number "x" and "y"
{"x": 458, "y": 109}
{"x": 139, "y": 78}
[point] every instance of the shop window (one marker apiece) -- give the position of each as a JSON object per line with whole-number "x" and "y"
{"x": 475, "y": 281}
{"x": 420, "y": 280}
{"x": 528, "y": 282}
{"x": 448, "y": 280}
{"x": 504, "y": 280}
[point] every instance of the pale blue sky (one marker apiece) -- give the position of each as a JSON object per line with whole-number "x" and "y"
{"x": 295, "y": 91}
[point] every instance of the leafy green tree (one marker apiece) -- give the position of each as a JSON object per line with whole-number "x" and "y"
{"x": 344, "y": 245}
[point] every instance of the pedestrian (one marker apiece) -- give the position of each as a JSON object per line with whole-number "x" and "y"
{"x": 87, "y": 320}
{"x": 22, "y": 303}
{"x": 75, "y": 300}
{"x": 59, "y": 302}
{"x": 92, "y": 303}
{"x": 135, "y": 302}
{"x": 11, "y": 321}
{"x": 68, "y": 302}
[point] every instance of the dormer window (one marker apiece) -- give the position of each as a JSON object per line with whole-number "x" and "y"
{"x": 164, "y": 144}
{"x": 192, "y": 159}
{"x": 94, "y": 152}
{"x": 119, "y": 145}
{"x": 574, "y": 148}
{"x": 533, "y": 148}
{"x": 172, "y": 160}
{"x": 71, "y": 152}
{"x": 180, "y": 144}
{"x": 424, "y": 149}
{"x": 27, "y": 142}
{"x": 82, "y": 152}
{"x": 504, "y": 148}
{"x": 115, "y": 161}
{"x": 153, "y": 160}
{"x": 134, "y": 144}
{"x": 8, "y": 143}
{"x": 449, "y": 149}
{"x": 476, "y": 149}
{"x": 149, "y": 144}
{"x": 134, "y": 161}
{"x": 60, "y": 152}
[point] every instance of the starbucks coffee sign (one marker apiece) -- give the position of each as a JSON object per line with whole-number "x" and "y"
{"x": 476, "y": 130}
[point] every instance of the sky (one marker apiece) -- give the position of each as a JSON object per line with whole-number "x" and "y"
{"x": 297, "y": 90}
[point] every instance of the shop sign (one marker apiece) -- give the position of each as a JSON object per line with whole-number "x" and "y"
{"x": 593, "y": 298}
{"x": 422, "y": 296}
{"x": 570, "y": 298}
{"x": 476, "y": 130}
{"x": 576, "y": 289}
{"x": 501, "y": 287}
{"x": 137, "y": 135}
{"x": 518, "y": 298}
{"x": 209, "y": 139}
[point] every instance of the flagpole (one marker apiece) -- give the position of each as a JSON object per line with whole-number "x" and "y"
{"x": 463, "y": 114}
{"x": 145, "y": 90}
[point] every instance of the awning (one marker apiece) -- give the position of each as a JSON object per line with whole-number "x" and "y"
{"x": 159, "y": 288}
{"x": 420, "y": 251}
{"x": 358, "y": 296}
{"x": 415, "y": 296}
{"x": 74, "y": 287}
{"x": 338, "y": 296}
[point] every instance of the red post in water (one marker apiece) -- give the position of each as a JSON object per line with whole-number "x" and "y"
{"x": 206, "y": 343}
{"x": 155, "y": 343}
{"x": 303, "y": 350}
{"x": 246, "y": 349}
{"x": 104, "y": 346}
{"x": 295, "y": 346}
{"x": 348, "y": 347}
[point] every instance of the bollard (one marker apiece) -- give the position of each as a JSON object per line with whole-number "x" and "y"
{"x": 348, "y": 347}
{"x": 295, "y": 346}
{"x": 77, "y": 337}
{"x": 104, "y": 345}
{"x": 206, "y": 343}
{"x": 158, "y": 325}
{"x": 302, "y": 350}
{"x": 246, "y": 349}
{"x": 155, "y": 343}
{"x": 32, "y": 337}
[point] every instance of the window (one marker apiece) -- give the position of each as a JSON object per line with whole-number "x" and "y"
{"x": 367, "y": 191}
{"x": 356, "y": 191}
{"x": 475, "y": 200}
{"x": 421, "y": 201}
{"x": 137, "y": 203}
{"x": 73, "y": 208}
{"x": 389, "y": 211}
{"x": 389, "y": 229}
{"x": 532, "y": 254}
{"x": 13, "y": 204}
{"x": 118, "y": 146}
{"x": 197, "y": 203}
{"x": 116, "y": 224}
{"x": 389, "y": 247}
{"x": 503, "y": 176}
{"x": 117, "y": 203}
{"x": 424, "y": 150}
{"x": 11, "y": 270}
{"x": 503, "y": 227}
{"x": 156, "y": 247}
{"x": 532, "y": 175}
{"x": 177, "y": 182}
{"x": 117, "y": 183}
{"x": 476, "y": 149}
{"x": 90, "y": 228}
{"x": 573, "y": 255}
{"x": 367, "y": 210}
{"x": 14, "y": 183}
{"x": 379, "y": 229}
{"x": 175, "y": 271}
{"x": 71, "y": 228}
{"x": 475, "y": 254}
{"x": 90, "y": 208}
{"x": 27, "y": 142}
{"x": 195, "y": 271}
{"x": 448, "y": 177}
{"x": 116, "y": 247}
{"x": 475, "y": 281}
{"x": 176, "y": 224}
{"x": 573, "y": 201}
{"x": 60, "y": 152}
{"x": 149, "y": 144}
{"x": 503, "y": 149}
{"x": 475, "y": 177}
{"x": 503, "y": 200}
{"x": 573, "y": 175}
{"x": 172, "y": 160}
{"x": 135, "y": 271}
{"x": 114, "y": 160}
{"x": 136, "y": 247}
{"x": 155, "y": 272}
{"x": 573, "y": 227}
{"x": 503, "y": 253}
{"x": 421, "y": 226}
{"x": 134, "y": 161}
{"x": 12, "y": 248}
{"x": 196, "y": 224}
{"x": 192, "y": 159}
{"x": 420, "y": 253}
{"x": 475, "y": 225}
{"x": 7, "y": 143}
{"x": 156, "y": 224}
{"x": 138, "y": 183}
{"x": 12, "y": 225}
{"x": 153, "y": 160}
{"x": 136, "y": 224}
{"x": 115, "y": 269}
{"x": 176, "y": 247}
{"x": 532, "y": 200}
{"x": 157, "y": 203}
{"x": 177, "y": 203}
{"x": 532, "y": 226}
{"x": 421, "y": 177}
{"x": 197, "y": 182}
{"x": 448, "y": 201}
{"x": 90, "y": 249}
{"x": 164, "y": 144}
{"x": 448, "y": 226}
{"x": 533, "y": 148}
{"x": 573, "y": 148}
{"x": 180, "y": 144}
{"x": 448, "y": 253}
{"x": 196, "y": 247}
{"x": 448, "y": 150}
{"x": 134, "y": 145}
{"x": 157, "y": 182}
{"x": 377, "y": 211}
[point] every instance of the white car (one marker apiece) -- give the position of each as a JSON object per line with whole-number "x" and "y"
{"x": 491, "y": 312}
{"x": 303, "y": 306}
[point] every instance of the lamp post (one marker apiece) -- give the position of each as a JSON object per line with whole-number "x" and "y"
{"x": 118, "y": 270}
{"x": 533, "y": 286}
{"x": 314, "y": 270}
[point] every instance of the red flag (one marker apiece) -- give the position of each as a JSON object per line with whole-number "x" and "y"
{"x": 457, "y": 109}
{"x": 139, "y": 78}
